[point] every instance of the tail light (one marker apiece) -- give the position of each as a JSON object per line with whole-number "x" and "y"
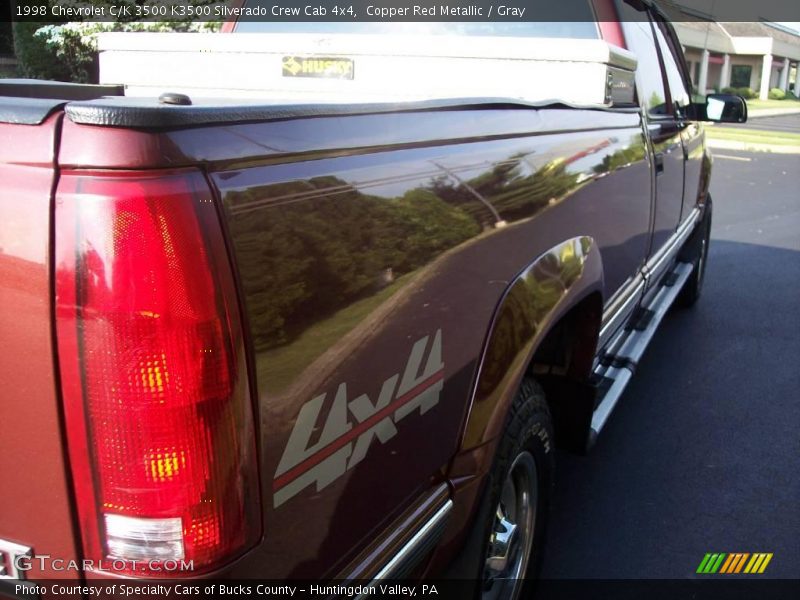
{"x": 158, "y": 414}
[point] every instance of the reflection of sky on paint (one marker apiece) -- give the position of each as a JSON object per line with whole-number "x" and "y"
{"x": 387, "y": 175}
{"x": 402, "y": 176}
{"x": 483, "y": 163}
{"x": 588, "y": 162}
{"x": 527, "y": 162}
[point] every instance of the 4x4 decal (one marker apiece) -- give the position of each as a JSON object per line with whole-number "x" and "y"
{"x": 343, "y": 444}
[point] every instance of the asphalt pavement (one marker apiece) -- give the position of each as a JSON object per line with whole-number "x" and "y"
{"x": 788, "y": 123}
{"x": 702, "y": 453}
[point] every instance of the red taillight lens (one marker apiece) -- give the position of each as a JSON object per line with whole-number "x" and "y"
{"x": 159, "y": 419}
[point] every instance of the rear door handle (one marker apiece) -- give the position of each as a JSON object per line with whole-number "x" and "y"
{"x": 659, "y": 161}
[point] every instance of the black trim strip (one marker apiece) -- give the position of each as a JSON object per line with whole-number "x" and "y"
{"x": 30, "y": 101}
{"x": 27, "y": 111}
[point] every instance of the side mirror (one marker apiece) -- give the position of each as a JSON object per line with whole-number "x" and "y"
{"x": 722, "y": 108}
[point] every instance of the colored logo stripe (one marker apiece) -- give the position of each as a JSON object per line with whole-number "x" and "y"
{"x": 734, "y": 562}
{"x": 710, "y": 563}
{"x": 758, "y": 563}
{"x": 727, "y": 564}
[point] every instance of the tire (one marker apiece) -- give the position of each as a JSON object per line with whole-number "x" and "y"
{"x": 696, "y": 252}
{"x": 523, "y": 468}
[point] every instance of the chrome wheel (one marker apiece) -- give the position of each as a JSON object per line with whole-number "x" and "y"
{"x": 511, "y": 537}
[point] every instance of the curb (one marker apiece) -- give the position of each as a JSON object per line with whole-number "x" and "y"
{"x": 751, "y": 147}
{"x": 771, "y": 112}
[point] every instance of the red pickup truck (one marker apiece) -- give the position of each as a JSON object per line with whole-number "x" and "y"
{"x": 326, "y": 341}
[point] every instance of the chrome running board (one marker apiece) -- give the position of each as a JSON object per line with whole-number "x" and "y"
{"x": 617, "y": 363}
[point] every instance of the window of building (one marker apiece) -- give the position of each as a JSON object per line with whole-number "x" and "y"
{"x": 740, "y": 76}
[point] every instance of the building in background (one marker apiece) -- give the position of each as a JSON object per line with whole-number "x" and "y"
{"x": 759, "y": 56}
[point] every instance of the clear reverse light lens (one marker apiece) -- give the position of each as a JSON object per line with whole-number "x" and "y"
{"x": 133, "y": 538}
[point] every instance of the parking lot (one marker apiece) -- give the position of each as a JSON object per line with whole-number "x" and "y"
{"x": 703, "y": 452}
{"x": 788, "y": 123}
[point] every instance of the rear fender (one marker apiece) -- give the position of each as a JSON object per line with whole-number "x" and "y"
{"x": 531, "y": 306}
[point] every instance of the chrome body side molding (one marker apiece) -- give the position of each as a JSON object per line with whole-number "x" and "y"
{"x": 657, "y": 265}
{"x": 415, "y": 548}
{"x": 620, "y": 308}
{"x": 624, "y": 303}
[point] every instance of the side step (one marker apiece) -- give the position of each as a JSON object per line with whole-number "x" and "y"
{"x": 616, "y": 366}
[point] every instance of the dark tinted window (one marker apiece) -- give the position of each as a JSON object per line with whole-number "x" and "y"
{"x": 639, "y": 37}
{"x": 740, "y": 76}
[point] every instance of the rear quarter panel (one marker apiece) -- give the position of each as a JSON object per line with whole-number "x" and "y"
{"x": 373, "y": 252}
{"x": 35, "y": 504}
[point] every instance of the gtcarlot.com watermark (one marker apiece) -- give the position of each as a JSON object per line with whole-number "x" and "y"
{"x": 45, "y": 562}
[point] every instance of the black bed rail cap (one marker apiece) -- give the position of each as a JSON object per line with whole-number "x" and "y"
{"x": 148, "y": 113}
{"x": 27, "y": 111}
